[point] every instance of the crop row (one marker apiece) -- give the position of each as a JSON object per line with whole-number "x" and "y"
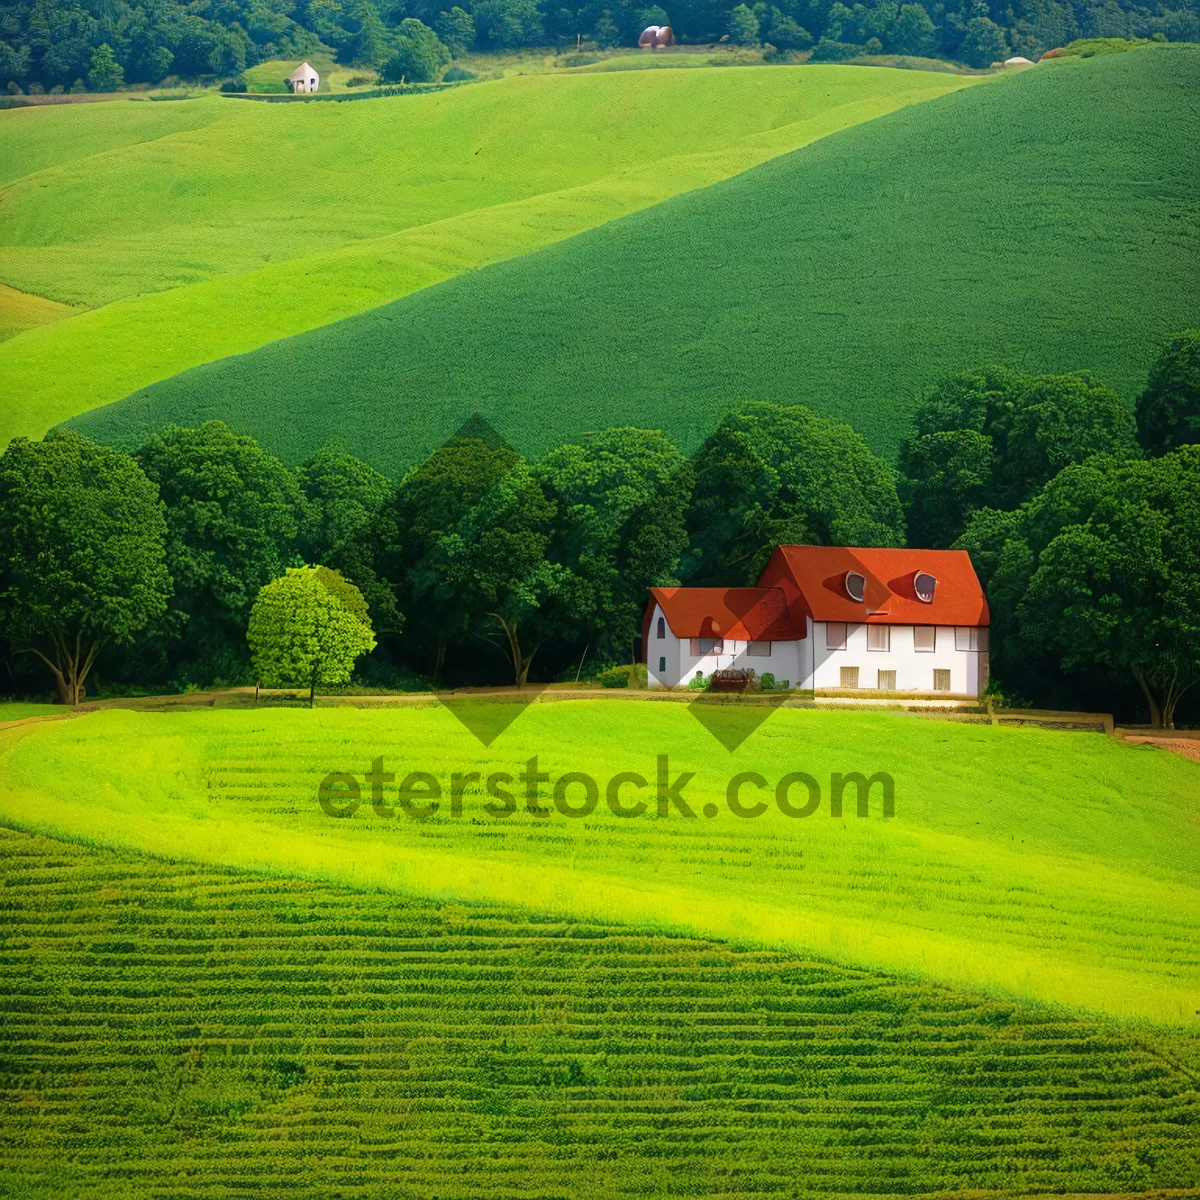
{"x": 174, "y": 1030}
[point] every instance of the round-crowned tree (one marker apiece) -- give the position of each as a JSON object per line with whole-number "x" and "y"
{"x": 308, "y": 627}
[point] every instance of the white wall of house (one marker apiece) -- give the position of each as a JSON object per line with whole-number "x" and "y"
{"x": 914, "y": 668}
{"x": 670, "y": 661}
{"x": 811, "y": 663}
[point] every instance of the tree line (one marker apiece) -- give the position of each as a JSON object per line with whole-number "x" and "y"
{"x": 48, "y": 45}
{"x": 479, "y": 564}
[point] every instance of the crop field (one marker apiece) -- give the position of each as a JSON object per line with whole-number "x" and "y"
{"x": 19, "y": 312}
{"x": 210, "y": 227}
{"x": 190, "y": 1031}
{"x": 1030, "y": 864}
{"x": 1048, "y": 218}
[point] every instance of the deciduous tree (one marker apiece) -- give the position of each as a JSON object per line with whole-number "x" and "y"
{"x": 1168, "y": 411}
{"x": 82, "y": 553}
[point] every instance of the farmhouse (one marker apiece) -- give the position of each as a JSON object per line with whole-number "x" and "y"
{"x": 304, "y": 79}
{"x": 831, "y": 617}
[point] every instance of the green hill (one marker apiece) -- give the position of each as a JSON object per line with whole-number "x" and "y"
{"x": 211, "y": 227}
{"x": 1049, "y": 218}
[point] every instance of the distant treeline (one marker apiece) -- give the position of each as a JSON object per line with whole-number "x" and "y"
{"x": 1083, "y": 525}
{"x": 61, "y": 44}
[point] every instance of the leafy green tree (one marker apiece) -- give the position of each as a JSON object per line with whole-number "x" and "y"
{"x": 983, "y": 42}
{"x": 496, "y": 566}
{"x": 371, "y": 45}
{"x": 82, "y": 553}
{"x": 946, "y": 476}
{"x": 1168, "y": 411}
{"x": 743, "y": 26}
{"x": 456, "y": 29}
{"x": 308, "y": 627}
{"x": 1101, "y": 572}
{"x": 105, "y": 73}
{"x": 994, "y": 436}
{"x": 774, "y": 473}
{"x": 913, "y": 32}
{"x": 342, "y": 495}
{"x": 623, "y": 496}
{"x": 419, "y": 54}
{"x": 508, "y": 24}
{"x": 786, "y": 33}
{"x": 232, "y": 520}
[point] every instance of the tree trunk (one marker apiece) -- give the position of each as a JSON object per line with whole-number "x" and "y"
{"x": 520, "y": 660}
{"x": 440, "y": 660}
{"x": 1156, "y": 713}
{"x": 70, "y": 665}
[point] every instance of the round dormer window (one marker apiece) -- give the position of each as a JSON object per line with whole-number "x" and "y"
{"x": 924, "y": 585}
{"x": 856, "y": 586}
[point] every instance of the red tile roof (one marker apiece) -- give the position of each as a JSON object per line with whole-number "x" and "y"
{"x": 742, "y": 614}
{"x": 818, "y": 574}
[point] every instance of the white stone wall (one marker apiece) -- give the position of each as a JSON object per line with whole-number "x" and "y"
{"x": 809, "y": 664}
{"x": 914, "y": 668}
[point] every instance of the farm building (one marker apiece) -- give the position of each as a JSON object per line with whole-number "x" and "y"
{"x": 304, "y": 79}
{"x": 654, "y": 36}
{"x": 831, "y": 617}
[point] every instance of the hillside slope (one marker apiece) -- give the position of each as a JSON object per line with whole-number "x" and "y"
{"x": 1049, "y": 218}
{"x": 243, "y": 223}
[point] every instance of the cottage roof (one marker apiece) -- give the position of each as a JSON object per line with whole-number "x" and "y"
{"x": 303, "y": 71}
{"x": 894, "y": 584}
{"x": 741, "y": 614}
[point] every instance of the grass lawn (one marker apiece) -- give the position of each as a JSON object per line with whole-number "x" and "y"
{"x": 181, "y": 1029}
{"x": 18, "y": 710}
{"x": 1047, "y": 218}
{"x": 19, "y": 312}
{"x": 396, "y": 194}
{"x": 1024, "y": 864}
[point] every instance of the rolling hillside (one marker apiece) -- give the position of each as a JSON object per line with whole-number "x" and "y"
{"x": 1048, "y": 219}
{"x": 210, "y": 227}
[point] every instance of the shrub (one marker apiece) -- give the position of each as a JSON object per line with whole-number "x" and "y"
{"x": 77, "y": 88}
{"x": 232, "y": 86}
{"x": 698, "y": 682}
{"x": 767, "y": 680}
{"x": 614, "y": 677}
{"x": 14, "y": 88}
{"x": 457, "y": 74}
{"x": 829, "y": 51}
{"x": 579, "y": 60}
{"x": 360, "y": 81}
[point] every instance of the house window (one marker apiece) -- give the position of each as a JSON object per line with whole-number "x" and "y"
{"x": 835, "y": 635}
{"x": 887, "y": 681}
{"x": 970, "y": 637}
{"x": 925, "y": 637}
{"x": 662, "y": 628}
{"x": 662, "y": 666}
{"x": 941, "y": 681}
{"x": 703, "y": 646}
{"x": 879, "y": 637}
{"x": 758, "y": 649}
{"x": 849, "y": 677}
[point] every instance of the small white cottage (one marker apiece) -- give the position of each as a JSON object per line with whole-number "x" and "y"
{"x": 831, "y": 617}
{"x": 304, "y": 79}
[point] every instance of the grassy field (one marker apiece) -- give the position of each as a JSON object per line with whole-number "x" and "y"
{"x": 187, "y": 1031}
{"x": 1024, "y": 864}
{"x": 1047, "y": 218}
{"x": 186, "y": 222}
{"x": 20, "y": 311}
{"x": 271, "y": 77}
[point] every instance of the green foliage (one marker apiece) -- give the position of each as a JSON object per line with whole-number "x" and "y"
{"x": 457, "y": 30}
{"x": 743, "y": 26}
{"x": 779, "y": 474}
{"x": 608, "y": 329}
{"x": 342, "y": 497}
{"x": 613, "y": 677}
{"x": 623, "y": 496}
{"x": 1090, "y": 47}
{"x": 308, "y": 627}
{"x": 1168, "y": 411}
{"x": 983, "y": 43}
{"x": 82, "y": 553}
{"x": 418, "y": 56}
{"x": 507, "y": 24}
{"x": 993, "y": 437}
{"x": 913, "y": 31}
{"x": 105, "y": 73}
{"x": 1101, "y": 571}
{"x": 232, "y": 526}
{"x": 456, "y": 74}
